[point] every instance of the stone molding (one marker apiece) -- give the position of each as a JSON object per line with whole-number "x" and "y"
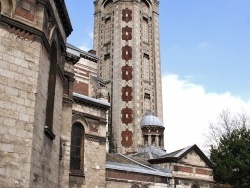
{"x": 95, "y": 138}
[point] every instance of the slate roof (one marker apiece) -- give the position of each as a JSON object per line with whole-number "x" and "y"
{"x": 90, "y": 100}
{"x": 128, "y": 163}
{"x": 179, "y": 154}
{"x": 82, "y": 52}
{"x": 149, "y": 152}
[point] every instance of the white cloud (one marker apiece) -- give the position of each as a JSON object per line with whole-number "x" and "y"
{"x": 91, "y": 35}
{"x": 188, "y": 109}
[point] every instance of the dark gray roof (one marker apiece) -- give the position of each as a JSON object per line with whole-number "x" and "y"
{"x": 126, "y": 163}
{"x": 82, "y": 52}
{"x": 179, "y": 154}
{"x": 149, "y": 152}
{"x": 90, "y": 100}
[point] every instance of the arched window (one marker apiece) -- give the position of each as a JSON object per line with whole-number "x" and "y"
{"x": 144, "y": 186}
{"x": 135, "y": 186}
{"x": 77, "y": 149}
{"x": 51, "y": 92}
{"x": 195, "y": 185}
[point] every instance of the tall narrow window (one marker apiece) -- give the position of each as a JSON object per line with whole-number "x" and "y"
{"x": 51, "y": 92}
{"x": 77, "y": 149}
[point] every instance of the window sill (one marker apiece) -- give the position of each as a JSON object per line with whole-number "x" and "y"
{"x": 77, "y": 173}
{"x": 49, "y": 133}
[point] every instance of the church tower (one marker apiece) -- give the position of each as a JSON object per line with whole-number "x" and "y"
{"x": 126, "y": 38}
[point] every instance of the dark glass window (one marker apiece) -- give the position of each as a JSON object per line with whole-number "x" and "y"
{"x": 51, "y": 92}
{"x": 195, "y": 186}
{"x": 76, "y": 150}
{"x": 135, "y": 186}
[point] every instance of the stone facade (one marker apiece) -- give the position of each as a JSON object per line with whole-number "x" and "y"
{"x": 32, "y": 44}
{"x": 89, "y": 109}
{"x": 55, "y": 117}
{"x": 189, "y": 166}
{"x": 126, "y": 38}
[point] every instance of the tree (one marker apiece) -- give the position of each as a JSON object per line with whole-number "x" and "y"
{"x": 232, "y": 158}
{"x": 226, "y": 123}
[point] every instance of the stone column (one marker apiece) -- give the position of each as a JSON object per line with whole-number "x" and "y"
{"x": 157, "y": 141}
{"x": 149, "y": 140}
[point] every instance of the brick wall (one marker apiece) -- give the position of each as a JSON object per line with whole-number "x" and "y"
{"x": 81, "y": 88}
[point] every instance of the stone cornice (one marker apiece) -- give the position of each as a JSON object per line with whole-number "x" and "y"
{"x": 23, "y": 26}
{"x": 71, "y": 58}
{"x": 95, "y": 138}
{"x": 90, "y": 116}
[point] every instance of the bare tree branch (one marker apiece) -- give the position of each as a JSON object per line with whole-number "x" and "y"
{"x": 226, "y": 123}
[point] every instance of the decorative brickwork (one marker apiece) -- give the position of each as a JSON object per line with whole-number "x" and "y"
{"x": 127, "y": 72}
{"x": 127, "y": 138}
{"x": 127, "y": 93}
{"x": 126, "y": 15}
{"x": 21, "y": 33}
{"x": 127, "y": 115}
{"x": 25, "y": 14}
{"x": 201, "y": 171}
{"x": 126, "y": 52}
{"x": 66, "y": 87}
{"x": 183, "y": 169}
{"x": 126, "y": 33}
{"x": 81, "y": 88}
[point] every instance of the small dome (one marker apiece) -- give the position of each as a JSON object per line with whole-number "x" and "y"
{"x": 150, "y": 120}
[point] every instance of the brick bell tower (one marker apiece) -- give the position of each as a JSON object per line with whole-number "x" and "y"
{"x": 126, "y": 38}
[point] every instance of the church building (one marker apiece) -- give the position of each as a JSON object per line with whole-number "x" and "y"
{"x": 70, "y": 118}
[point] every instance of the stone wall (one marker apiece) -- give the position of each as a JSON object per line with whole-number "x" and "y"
{"x": 29, "y": 158}
{"x": 18, "y": 87}
{"x": 94, "y": 122}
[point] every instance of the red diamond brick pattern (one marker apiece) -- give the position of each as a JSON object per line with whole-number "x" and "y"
{"x": 126, "y": 15}
{"x": 126, "y": 53}
{"x": 127, "y": 115}
{"x": 127, "y": 33}
{"x": 127, "y": 93}
{"x": 127, "y": 138}
{"x": 127, "y": 73}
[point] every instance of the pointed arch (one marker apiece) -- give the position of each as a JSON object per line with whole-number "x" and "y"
{"x": 106, "y": 2}
{"x": 147, "y": 6}
{"x": 146, "y": 2}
